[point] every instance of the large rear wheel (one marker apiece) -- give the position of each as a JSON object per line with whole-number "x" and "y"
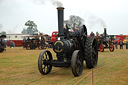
{"x": 77, "y": 63}
{"x": 82, "y": 35}
{"x": 43, "y": 66}
{"x": 91, "y": 52}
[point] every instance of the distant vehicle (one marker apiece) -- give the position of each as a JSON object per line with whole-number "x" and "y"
{"x": 2, "y": 43}
{"x": 33, "y": 42}
{"x": 16, "y": 38}
{"x": 122, "y": 37}
{"x": 105, "y": 42}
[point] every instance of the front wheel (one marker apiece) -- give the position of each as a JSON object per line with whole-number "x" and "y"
{"x": 101, "y": 48}
{"x": 77, "y": 63}
{"x": 111, "y": 47}
{"x": 43, "y": 66}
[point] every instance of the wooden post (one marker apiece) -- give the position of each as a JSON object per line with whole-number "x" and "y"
{"x": 92, "y": 78}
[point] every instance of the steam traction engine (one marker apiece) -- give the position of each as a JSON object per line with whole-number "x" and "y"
{"x": 105, "y": 42}
{"x": 34, "y": 42}
{"x": 71, "y": 50}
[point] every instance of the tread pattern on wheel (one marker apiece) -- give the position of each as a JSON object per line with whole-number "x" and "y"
{"x": 88, "y": 52}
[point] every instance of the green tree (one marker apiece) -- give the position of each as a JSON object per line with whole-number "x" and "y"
{"x": 74, "y": 21}
{"x": 3, "y": 33}
{"x": 31, "y": 29}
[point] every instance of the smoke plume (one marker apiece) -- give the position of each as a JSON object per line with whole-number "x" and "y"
{"x": 54, "y": 2}
{"x": 14, "y": 29}
{"x": 94, "y": 20}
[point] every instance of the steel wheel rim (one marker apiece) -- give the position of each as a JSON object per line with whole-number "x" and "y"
{"x": 83, "y": 34}
{"x": 111, "y": 47}
{"x": 78, "y": 65}
{"x": 44, "y": 67}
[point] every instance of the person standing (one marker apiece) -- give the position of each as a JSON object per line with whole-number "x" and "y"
{"x": 121, "y": 44}
{"x": 127, "y": 44}
{"x": 116, "y": 44}
{"x": 92, "y": 34}
{"x": 76, "y": 30}
{"x": 12, "y": 44}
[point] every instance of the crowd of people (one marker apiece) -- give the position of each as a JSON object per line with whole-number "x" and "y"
{"x": 121, "y": 44}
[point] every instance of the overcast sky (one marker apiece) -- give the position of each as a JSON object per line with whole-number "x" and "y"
{"x": 98, "y": 14}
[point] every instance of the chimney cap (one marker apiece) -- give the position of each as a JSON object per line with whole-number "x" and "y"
{"x": 60, "y": 8}
{"x": 105, "y": 28}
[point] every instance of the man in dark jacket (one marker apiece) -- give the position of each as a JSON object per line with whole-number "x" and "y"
{"x": 121, "y": 44}
{"x": 92, "y": 34}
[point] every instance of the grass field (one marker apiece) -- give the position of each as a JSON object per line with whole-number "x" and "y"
{"x": 18, "y": 66}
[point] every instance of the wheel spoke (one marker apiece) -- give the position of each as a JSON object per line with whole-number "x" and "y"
{"x": 44, "y": 67}
{"x": 46, "y": 55}
{"x": 77, "y": 67}
{"x": 43, "y": 64}
{"x": 78, "y": 64}
{"x": 43, "y": 58}
{"x": 44, "y": 70}
{"x": 48, "y": 66}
